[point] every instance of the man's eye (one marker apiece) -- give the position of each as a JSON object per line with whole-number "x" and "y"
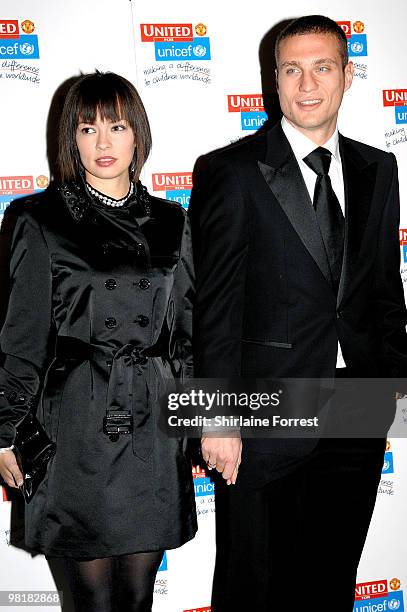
{"x": 323, "y": 68}
{"x": 291, "y": 70}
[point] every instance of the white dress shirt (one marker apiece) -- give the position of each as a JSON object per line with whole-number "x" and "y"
{"x": 302, "y": 146}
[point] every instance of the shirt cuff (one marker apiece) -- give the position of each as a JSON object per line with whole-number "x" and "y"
{"x": 3, "y": 450}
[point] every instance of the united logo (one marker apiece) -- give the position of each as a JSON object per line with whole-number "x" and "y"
{"x": 358, "y": 27}
{"x": 201, "y": 29}
{"x": 28, "y": 26}
{"x": 395, "y": 584}
{"x": 42, "y": 181}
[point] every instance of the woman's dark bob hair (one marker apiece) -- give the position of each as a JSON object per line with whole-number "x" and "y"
{"x": 114, "y": 98}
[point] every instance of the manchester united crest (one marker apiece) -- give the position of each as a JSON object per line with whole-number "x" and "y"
{"x": 358, "y": 27}
{"x": 394, "y": 584}
{"x": 42, "y": 181}
{"x": 201, "y": 29}
{"x": 28, "y": 26}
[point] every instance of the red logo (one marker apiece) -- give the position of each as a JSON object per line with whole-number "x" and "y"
{"x": 9, "y": 28}
{"x": 166, "y": 181}
{"x": 371, "y": 590}
{"x": 204, "y": 609}
{"x": 28, "y": 26}
{"x": 170, "y": 32}
{"x": 359, "y": 27}
{"x": 403, "y": 240}
{"x": 395, "y": 584}
{"x": 346, "y": 27}
{"x": 245, "y": 102}
{"x": 395, "y": 97}
{"x": 201, "y": 29}
{"x": 5, "y": 498}
{"x": 16, "y": 184}
{"x": 42, "y": 181}
{"x": 198, "y": 472}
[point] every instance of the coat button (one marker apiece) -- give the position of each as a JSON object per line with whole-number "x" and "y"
{"x": 142, "y": 320}
{"x": 144, "y": 283}
{"x": 110, "y": 322}
{"x": 140, "y": 250}
{"x": 106, "y": 249}
{"x": 110, "y": 284}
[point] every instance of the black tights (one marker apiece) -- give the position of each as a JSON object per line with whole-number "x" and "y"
{"x": 124, "y": 583}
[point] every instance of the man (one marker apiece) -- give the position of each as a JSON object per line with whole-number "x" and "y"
{"x": 297, "y": 261}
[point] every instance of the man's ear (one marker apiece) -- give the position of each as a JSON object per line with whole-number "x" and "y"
{"x": 348, "y": 72}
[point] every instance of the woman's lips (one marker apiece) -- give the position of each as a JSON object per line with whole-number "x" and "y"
{"x": 105, "y": 161}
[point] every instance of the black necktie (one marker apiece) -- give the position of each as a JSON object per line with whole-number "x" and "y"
{"x": 328, "y": 211}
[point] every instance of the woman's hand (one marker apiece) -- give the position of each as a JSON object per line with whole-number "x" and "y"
{"x": 9, "y": 470}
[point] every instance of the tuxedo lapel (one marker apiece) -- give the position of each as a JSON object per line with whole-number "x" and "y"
{"x": 359, "y": 180}
{"x": 283, "y": 176}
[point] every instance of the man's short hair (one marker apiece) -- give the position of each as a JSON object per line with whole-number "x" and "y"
{"x": 315, "y": 24}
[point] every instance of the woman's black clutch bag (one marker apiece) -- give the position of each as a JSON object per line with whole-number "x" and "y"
{"x": 33, "y": 450}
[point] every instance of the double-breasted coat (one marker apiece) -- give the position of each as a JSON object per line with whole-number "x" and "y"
{"x": 99, "y": 320}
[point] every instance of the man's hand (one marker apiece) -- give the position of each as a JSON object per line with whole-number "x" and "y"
{"x": 224, "y": 454}
{"x": 9, "y": 470}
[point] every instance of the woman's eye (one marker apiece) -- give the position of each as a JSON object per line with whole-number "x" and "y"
{"x": 87, "y": 130}
{"x": 119, "y": 127}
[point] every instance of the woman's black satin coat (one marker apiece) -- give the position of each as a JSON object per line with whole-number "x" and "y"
{"x": 99, "y": 318}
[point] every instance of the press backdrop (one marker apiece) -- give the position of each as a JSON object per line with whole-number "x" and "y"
{"x": 205, "y": 73}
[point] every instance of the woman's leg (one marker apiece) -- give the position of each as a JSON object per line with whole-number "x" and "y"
{"x": 91, "y": 583}
{"x": 98, "y": 585}
{"x": 135, "y": 576}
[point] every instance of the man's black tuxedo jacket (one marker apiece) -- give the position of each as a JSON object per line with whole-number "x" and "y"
{"x": 265, "y": 304}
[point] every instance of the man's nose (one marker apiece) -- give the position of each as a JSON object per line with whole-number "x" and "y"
{"x": 308, "y": 81}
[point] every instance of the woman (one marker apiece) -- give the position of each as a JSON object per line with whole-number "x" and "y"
{"x": 98, "y": 324}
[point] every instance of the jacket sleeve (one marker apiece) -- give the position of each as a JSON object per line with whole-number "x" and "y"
{"x": 181, "y": 314}
{"x": 220, "y": 229}
{"x": 388, "y": 306}
{"x": 26, "y": 334}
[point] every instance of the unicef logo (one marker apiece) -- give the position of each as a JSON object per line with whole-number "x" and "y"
{"x": 394, "y": 604}
{"x": 199, "y": 50}
{"x": 27, "y": 48}
{"x": 386, "y": 465}
{"x": 357, "y": 47}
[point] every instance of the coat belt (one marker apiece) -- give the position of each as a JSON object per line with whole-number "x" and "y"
{"x": 128, "y": 386}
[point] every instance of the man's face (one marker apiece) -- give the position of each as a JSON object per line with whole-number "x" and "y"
{"x": 311, "y": 82}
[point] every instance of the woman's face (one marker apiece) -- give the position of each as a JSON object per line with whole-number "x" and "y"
{"x": 106, "y": 150}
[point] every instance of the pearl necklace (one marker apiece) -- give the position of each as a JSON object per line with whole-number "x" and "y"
{"x": 110, "y": 201}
